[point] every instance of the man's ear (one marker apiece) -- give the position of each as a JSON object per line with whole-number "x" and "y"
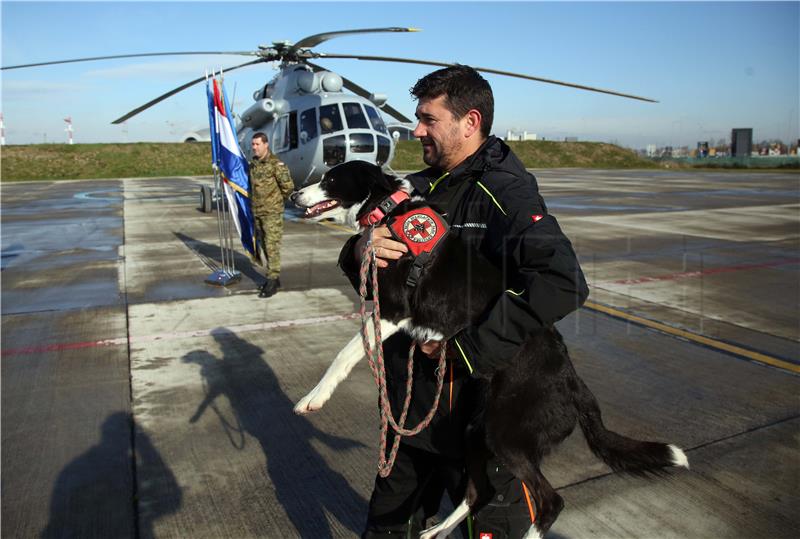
{"x": 472, "y": 122}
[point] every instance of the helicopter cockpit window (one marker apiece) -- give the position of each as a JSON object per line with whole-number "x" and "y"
{"x": 308, "y": 125}
{"x": 333, "y": 150}
{"x": 329, "y": 118}
{"x": 355, "y": 116}
{"x": 384, "y": 147}
{"x": 375, "y": 119}
{"x": 362, "y": 143}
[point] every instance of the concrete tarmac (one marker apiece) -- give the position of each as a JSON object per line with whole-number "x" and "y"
{"x": 139, "y": 401}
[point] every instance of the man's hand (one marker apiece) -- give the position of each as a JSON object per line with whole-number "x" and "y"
{"x": 386, "y": 248}
{"x": 432, "y": 349}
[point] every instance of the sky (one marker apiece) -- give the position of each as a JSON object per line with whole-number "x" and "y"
{"x": 712, "y": 66}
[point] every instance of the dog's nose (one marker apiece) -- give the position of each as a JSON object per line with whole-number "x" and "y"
{"x": 293, "y": 196}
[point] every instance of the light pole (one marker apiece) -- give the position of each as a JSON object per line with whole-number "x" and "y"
{"x": 68, "y": 119}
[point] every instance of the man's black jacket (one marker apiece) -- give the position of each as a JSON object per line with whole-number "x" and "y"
{"x": 493, "y": 204}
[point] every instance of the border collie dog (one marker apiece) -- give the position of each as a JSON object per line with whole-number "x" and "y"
{"x": 533, "y": 403}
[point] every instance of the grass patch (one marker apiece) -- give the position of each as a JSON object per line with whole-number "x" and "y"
{"x": 83, "y": 161}
{"x": 543, "y": 154}
{"x": 150, "y": 159}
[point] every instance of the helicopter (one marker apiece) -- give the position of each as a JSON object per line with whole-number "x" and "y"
{"x": 312, "y": 124}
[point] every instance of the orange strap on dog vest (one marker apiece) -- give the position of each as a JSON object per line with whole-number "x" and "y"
{"x": 531, "y": 510}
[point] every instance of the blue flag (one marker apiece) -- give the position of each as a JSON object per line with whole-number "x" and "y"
{"x": 234, "y": 168}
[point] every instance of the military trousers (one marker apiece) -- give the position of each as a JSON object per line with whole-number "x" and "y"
{"x": 269, "y": 232}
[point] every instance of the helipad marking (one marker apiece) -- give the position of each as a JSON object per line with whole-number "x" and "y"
{"x": 706, "y": 341}
{"x": 243, "y": 328}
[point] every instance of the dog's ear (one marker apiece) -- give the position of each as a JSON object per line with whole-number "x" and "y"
{"x": 386, "y": 181}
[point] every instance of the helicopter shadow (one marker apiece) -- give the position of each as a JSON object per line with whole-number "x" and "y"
{"x": 91, "y": 498}
{"x": 302, "y": 482}
{"x": 209, "y": 255}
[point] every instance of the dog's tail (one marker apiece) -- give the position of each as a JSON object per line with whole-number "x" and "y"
{"x": 619, "y": 452}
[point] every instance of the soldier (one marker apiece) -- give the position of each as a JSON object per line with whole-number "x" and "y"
{"x": 271, "y": 185}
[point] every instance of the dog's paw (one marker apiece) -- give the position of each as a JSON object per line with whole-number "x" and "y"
{"x": 434, "y": 531}
{"x": 312, "y": 402}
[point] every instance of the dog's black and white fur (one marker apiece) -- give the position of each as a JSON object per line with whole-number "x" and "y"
{"x": 533, "y": 404}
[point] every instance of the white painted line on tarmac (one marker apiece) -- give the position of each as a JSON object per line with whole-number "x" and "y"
{"x": 242, "y": 328}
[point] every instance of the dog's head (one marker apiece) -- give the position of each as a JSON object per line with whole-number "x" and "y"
{"x": 346, "y": 192}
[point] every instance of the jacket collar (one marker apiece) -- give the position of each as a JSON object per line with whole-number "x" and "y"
{"x": 490, "y": 152}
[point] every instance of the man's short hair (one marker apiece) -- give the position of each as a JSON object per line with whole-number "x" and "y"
{"x": 261, "y": 136}
{"x": 464, "y": 89}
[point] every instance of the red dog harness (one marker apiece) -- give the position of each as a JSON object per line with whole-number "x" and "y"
{"x": 421, "y": 230}
{"x": 382, "y": 210}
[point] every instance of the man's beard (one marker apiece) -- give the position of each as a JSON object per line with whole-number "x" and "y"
{"x": 437, "y": 157}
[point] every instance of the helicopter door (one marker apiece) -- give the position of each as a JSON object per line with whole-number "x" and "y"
{"x": 285, "y": 133}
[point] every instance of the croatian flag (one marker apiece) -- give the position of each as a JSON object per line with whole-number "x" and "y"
{"x": 228, "y": 157}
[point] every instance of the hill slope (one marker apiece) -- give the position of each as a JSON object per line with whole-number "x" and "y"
{"x": 82, "y": 161}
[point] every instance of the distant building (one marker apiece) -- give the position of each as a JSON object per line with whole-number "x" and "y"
{"x": 570, "y": 139}
{"x": 524, "y": 135}
{"x": 651, "y": 150}
{"x": 741, "y": 142}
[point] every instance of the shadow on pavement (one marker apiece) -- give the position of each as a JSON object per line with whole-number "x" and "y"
{"x": 94, "y": 495}
{"x": 209, "y": 255}
{"x": 303, "y": 483}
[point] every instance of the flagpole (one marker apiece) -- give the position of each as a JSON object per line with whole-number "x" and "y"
{"x": 228, "y": 236}
{"x": 223, "y": 276}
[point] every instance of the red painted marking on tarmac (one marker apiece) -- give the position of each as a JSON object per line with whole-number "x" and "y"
{"x": 244, "y": 328}
{"x": 711, "y": 271}
{"x": 62, "y": 346}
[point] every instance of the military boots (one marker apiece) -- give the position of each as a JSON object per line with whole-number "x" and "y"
{"x": 269, "y": 288}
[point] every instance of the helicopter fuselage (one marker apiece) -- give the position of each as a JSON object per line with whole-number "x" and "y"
{"x": 312, "y": 125}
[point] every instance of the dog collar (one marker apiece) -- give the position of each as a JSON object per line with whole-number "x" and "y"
{"x": 382, "y": 210}
{"x": 421, "y": 230}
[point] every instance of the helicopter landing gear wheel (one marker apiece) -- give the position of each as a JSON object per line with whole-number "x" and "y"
{"x": 205, "y": 199}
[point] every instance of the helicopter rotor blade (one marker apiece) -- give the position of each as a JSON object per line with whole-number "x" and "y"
{"x": 363, "y": 92}
{"x": 181, "y": 88}
{"x": 485, "y": 70}
{"x": 118, "y": 56}
{"x": 388, "y": 109}
{"x": 316, "y": 39}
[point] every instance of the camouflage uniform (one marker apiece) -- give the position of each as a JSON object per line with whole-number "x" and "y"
{"x": 271, "y": 185}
